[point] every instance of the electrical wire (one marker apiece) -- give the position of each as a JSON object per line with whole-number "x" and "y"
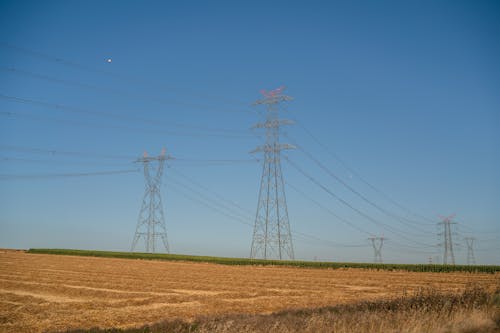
{"x": 121, "y": 77}
{"x": 357, "y": 193}
{"x": 217, "y": 195}
{"x": 28, "y": 160}
{"x": 371, "y": 219}
{"x": 211, "y": 162}
{"x": 211, "y": 200}
{"x": 241, "y": 218}
{"x": 210, "y": 206}
{"x": 128, "y": 94}
{"x": 177, "y": 189}
{"x": 55, "y": 152}
{"x": 65, "y": 175}
{"x": 347, "y": 222}
{"x": 116, "y": 127}
{"x": 358, "y": 176}
{"x": 73, "y": 64}
{"x": 156, "y": 122}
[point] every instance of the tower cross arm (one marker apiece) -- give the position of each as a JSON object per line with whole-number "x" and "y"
{"x": 275, "y": 148}
{"x": 154, "y": 158}
{"x": 274, "y": 123}
{"x": 273, "y": 99}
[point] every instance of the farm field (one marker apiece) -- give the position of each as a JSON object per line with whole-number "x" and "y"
{"x": 40, "y": 292}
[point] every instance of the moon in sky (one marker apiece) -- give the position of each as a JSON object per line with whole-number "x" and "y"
{"x": 108, "y": 60}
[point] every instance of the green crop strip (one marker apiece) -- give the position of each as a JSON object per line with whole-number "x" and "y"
{"x": 260, "y": 262}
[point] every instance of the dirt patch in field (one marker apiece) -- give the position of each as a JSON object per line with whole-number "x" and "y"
{"x": 40, "y": 293}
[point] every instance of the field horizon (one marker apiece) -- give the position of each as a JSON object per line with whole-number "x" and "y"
{"x": 265, "y": 262}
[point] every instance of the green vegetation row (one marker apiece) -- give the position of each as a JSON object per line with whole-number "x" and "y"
{"x": 261, "y": 262}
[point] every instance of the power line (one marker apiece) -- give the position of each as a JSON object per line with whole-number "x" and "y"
{"x": 56, "y": 152}
{"x": 201, "y": 162}
{"x": 83, "y": 67}
{"x": 383, "y": 225}
{"x": 357, "y": 193}
{"x": 121, "y": 77}
{"x": 64, "y": 175}
{"x": 217, "y": 195}
{"x": 236, "y": 218}
{"x": 28, "y": 160}
{"x": 116, "y": 127}
{"x": 121, "y": 116}
{"x": 222, "y": 209}
{"x": 399, "y": 248}
{"x": 212, "y": 201}
{"x": 328, "y": 242}
{"x": 119, "y": 92}
{"x": 352, "y": 225}
{"x": 237, "y": 206}
{"x": 177, "y": 185}
{"x": 358, "y": 176}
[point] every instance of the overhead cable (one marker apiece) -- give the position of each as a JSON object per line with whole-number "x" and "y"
{"x": 65, "y": 175}
{"x": 358, "y": 176}
{"x": 121, "y": 116}
{"x": 135, "y": 80}
{"x": 357, "y": 193}
{"x": 368, "y": 217}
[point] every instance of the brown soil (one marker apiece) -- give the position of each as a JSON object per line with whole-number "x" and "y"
{"x": 40, "y": 293}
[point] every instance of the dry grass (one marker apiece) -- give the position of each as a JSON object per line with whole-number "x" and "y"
{"x": 428, "y": 311}
{"x": 40, "y": 293}
{"x": 473, "y": 311}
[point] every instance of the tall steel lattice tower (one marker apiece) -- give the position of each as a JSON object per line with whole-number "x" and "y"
{"x": 471, "y": 260}
{"x": 377, "y": 243}
{"x": 448, "y": 256}
{"x": 151, "y": 223}
{"x": 272, "y": 237}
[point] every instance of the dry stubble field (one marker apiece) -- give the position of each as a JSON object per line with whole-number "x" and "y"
{"x": 40, "y": 293}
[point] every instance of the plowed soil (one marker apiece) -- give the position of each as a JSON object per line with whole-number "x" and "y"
{"x": 40, "y": 293}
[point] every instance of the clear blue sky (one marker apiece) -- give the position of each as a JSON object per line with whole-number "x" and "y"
{"x": 406, "y": 93}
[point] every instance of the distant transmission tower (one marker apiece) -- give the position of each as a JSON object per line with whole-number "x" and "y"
{"x": 448, "y": 256}
{"x": 377, "y": 243}
{"x": 151, "y": 222}
{"x": 271, "y": 235}
{"x": 471, "y": 260}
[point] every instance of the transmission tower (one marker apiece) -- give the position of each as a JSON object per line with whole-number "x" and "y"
{"x": 151, "y": 222}
{"x": 377, "y": 243}
{"x": 448, "y": 256}
{"x": 271, "y": 234}
{"x": 471, "y": 260}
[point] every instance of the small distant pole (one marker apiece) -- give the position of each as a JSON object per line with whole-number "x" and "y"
{"x": 471, "y": 260}
{"x": 448, "y": 255}
{"x": 151, "y": 221}
{"x": 377, "y": 243}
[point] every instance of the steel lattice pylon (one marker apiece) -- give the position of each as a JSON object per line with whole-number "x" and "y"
{"x": 471, "y": 260}
{"x": 151, "y": 222}
{"x": 377, "y": 243}
{"x": 271, "y": 235}
{"x": 448, "y": 255}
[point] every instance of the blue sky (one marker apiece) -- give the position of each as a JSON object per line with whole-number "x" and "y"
{"x": 405, "y": 93}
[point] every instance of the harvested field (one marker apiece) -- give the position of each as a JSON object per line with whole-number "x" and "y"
{"x": 40, "y": 293}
